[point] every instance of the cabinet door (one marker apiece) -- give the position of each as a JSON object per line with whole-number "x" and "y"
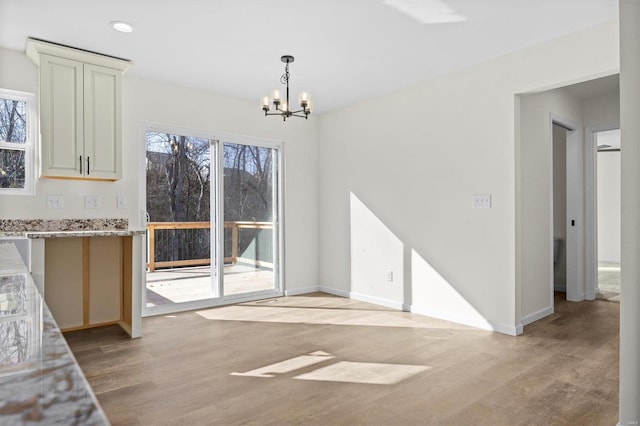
{"x": 105, "y": 279}
{"x": 63, "y": 282}
{"x": 102, "y": 124}
{"x": 61, "y": 116}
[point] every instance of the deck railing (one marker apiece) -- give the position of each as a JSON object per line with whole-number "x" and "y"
{"x": 234, "y": 226}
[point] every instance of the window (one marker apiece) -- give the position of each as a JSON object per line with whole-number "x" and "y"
{"x": 17, "y": 141}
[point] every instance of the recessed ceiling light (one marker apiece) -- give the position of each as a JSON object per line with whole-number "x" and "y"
{"x": 121, "y": 26}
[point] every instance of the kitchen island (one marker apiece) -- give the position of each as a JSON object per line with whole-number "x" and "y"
{"x": 40, "y": 380}
{"x": 90, "y": 271}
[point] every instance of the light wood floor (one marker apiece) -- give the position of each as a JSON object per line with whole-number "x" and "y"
{"x": 324, "y": 360}
{"x": 608, "y": 281}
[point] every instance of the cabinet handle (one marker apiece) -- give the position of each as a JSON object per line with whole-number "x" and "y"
{"x": 88, "y": 169}
{"x": 81, "y": 164}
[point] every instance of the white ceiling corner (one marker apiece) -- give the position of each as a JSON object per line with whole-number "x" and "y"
{"x": 346, "y": 50}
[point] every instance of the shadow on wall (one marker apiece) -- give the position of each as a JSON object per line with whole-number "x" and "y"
{"x": 385, "y": 271}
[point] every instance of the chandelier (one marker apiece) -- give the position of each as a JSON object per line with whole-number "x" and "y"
{"x": 282, "y": 106}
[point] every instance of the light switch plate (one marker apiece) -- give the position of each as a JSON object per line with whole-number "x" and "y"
{"x": 55, "y": 201}
{"x": 481, "y": 201}
{"x": 91, "y": 202}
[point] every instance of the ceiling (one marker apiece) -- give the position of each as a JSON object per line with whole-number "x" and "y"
{"x": 595, "y": 88}
{"x": 345, "y": 50}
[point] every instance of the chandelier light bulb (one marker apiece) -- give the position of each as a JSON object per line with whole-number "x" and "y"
{"x": 303, "y": 99}
{"x": 266, "y": 103}
{"x": 275, "y": 95}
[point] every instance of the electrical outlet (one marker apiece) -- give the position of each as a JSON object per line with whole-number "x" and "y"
{"x": 390, "y": 275}
{"x": 482, "y": 201}
{"x": 55, "y": 201}
{"x": 91, "y": 202}
{"x": 121, "y": 202}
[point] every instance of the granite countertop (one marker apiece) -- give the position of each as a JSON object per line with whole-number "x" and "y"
{"x": 77, "y": 234}
{"x": 40, "y": 380}
{"x": 69, "y": 228}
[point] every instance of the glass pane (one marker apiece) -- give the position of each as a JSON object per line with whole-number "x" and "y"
{"x": 12, "y": 169}
{"x": 249, "y": 201}
{"x": 13, "y": 126}
{"x": 178, "y": 192}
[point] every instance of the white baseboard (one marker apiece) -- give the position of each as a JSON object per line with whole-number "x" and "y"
{"x": 511, "y": 330}
{"x": 377, "y": 301}
{"x": 361, "y": 297}
{"x": 299, "y": 291}
{"x": 528, "y": 319}
{"x": 334, "y": 291}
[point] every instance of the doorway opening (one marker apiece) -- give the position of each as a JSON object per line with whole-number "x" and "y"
{"x": 608, "y": 190}
{"x": 567, "y": 211}
{"x": 213, "y": 206}
{"x": 559, "y": 142}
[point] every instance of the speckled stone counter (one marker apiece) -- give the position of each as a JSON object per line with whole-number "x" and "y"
{"x": 80, "y": 234}
{"x": 40, "y": 381}
{"x": 66, "y": 228}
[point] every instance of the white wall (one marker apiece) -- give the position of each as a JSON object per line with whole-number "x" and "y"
{"x": 602, "y": 110}
{"x": 144, "y": 100}
{"x": 630, "y": 272}
{"x": 609, "y": 206}
{"x": 415, "y": 157}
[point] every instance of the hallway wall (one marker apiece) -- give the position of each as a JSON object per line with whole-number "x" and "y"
{"x": 609, "y": 203}
{"x": 415, "y": 158}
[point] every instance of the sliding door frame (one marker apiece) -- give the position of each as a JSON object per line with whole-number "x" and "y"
{"x": 217, "y": 140}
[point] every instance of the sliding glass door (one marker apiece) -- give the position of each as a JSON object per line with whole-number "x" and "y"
{"x": 250, "y": 191}
{"x": 213, "y": 219}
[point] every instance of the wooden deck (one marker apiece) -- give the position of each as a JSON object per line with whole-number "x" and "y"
{"x": 177, "y": 285}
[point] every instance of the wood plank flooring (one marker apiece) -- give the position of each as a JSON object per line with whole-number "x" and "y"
{"x": 324, "y": 360}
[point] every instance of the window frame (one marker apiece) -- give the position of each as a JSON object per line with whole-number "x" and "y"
{"x": 30, "y": 144}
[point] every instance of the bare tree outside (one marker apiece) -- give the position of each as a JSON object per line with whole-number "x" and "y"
{"x": 178, "y": 189}
{"x": 179, "y": 174}
{"x": 249, "y": 197}
{"x": 13, "y": 130}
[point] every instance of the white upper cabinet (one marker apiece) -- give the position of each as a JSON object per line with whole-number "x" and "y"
{"x": 80, "y": 112}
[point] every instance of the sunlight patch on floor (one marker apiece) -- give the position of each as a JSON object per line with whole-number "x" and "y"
{"x": 326, "y": 310}
{"x": 372, "y": 373}
{"x": 288, "y": 365}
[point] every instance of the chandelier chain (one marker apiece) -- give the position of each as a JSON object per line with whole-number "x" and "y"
{"x": 284, "y": 79}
